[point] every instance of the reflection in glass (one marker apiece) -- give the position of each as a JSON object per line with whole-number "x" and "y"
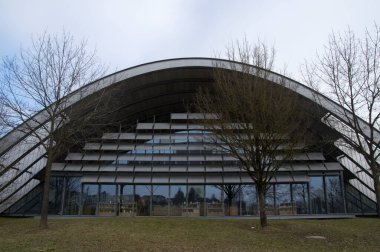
{"x": 214, "y": 201}
{"x": 248, "y": 200}
{"x": 107, "y": 200}
{"x": 127, "y": 201}
{"x": 160, "y": 200}
{"x": 55, "y": 195}
{"x": 317, "y": 197}
{"x": 177, "y": 200}
{"x": 283, "y": 199}
{"x": 127, "y": 205}
{"x": 300, "y": 198}
{"x": 72, "y": 196}
{"x": 269, "y": 201}
{"x": 334, "y": 194}
{"x": 231, "y": 198}
{"x": 142, "y": 199}
{"x": 195, "y": 203}
{"x": 90, "y": 199}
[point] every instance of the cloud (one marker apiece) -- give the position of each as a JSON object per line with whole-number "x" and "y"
{"x": 127, "y": 33}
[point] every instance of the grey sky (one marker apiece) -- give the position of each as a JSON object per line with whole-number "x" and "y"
{"x": 127, "y": 33}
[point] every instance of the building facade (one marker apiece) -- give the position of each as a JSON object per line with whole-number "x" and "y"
{"x": 150, "y": 157}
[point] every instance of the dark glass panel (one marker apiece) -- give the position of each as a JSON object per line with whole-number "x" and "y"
{"x": 195, "y": 200}
{"x": 55, "y": 195}
{"x": 317, "y": 196}
{"x": 249, "y": 204}
{"x": 283, "y": 199}
{"x": 300, "y": 198}
{"x": 90, "y": 199}
{"x": 214, "y": 201}
{"x": 231, "y": 199}
{"x": 269, "y": 201}
{"x": 142, "y": 199}
{"x": 160, "y": 198}
{"x": 72, "y": 196}
{"x": 107, "y": 200}
{"x": 334, "y": 194}
{"x": 127, "y": 201}
{"x": 177, "y": 200}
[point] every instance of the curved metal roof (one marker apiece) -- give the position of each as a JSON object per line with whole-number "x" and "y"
{"x": 181, "y": 63}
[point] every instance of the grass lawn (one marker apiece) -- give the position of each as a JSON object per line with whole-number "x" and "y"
{"x": 186, "y": 234}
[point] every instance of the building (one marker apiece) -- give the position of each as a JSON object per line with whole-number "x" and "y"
{"x": 148, "y": 156}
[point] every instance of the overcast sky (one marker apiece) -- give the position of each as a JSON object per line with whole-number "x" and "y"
{"x": 127, "y": 33}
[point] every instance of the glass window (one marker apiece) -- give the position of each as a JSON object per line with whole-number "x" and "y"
{"x": 90, "y": 199}
{"x": 269, "y": 201}
{"x": 55, "y": 195}
{"x": 177, "y": 200}
{"x": 195, "y": 200}
{"x": 353, "y": 200}
{"x": 160, "y": 200}
{"x": 214, "y": 201}
{"x": 231, "y": 199}
{"x": 127, "y": 201}
{"x": 300, "y": 198}
{"x": 334, "y": 194}
{"x": 72, "y": 196}
{"x": 107, "y": 200}
{"x": 284, "y": 199}
{"x": 249, "y": 204}
{"x": 317, "y": 196}
{"x": 142, "y": 199}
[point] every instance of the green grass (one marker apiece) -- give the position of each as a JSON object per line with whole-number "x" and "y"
{"x": 186, "y": 234}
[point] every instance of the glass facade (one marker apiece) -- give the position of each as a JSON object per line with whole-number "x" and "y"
{"x": 142, "y": 200}
{"x": 160, "y": 200}
{"x": 317, "y": 195}
{"x": 195, "y": 200}
{"x": 300, "y": 196}
{"x": 90, "y": 197}
{"x": 177, "y": 200}
{"x": 214, "y": 201}
{"x": 127, "y": 206}
{"x": 55, "y": 195}
{"x": 270, "y": 201}
{"x": 284, "y": 204}
{"x": 175, "y": 169}
{"x": 323, "y": 194}
{"x": 334, "y": 195}
{"x": 108, "y": 200}
{"x": 248, "y": 200}
{"x": 231, "y": 197}
{"x": 72, "y": 196}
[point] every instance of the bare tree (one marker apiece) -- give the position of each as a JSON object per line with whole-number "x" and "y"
{"x": 3, "y": 119}
{"x": 348, "y": 70}
{"x": 35, "y": 88}
{"x": 231, "y": 191}
{"x": 254, "y": 120}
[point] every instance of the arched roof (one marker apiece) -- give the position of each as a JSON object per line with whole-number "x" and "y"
{"x": 174, "y": 66}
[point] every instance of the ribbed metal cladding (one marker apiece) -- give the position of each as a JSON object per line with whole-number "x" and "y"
{"x": 174, "y": 152}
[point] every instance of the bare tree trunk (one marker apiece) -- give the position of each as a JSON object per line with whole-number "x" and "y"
{"x": 45, "y": 198}
{"x": 229, "y": 205}
{"x": 263, "y": 216}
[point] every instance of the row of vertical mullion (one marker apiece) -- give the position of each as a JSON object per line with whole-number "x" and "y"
{"x": 134, "y": 156}
{"x": 187, "y": 158}
{"x": 170, "y": 163}
{"x": 152, "y": 151}
{"x": 117, "y": 154}
{"x": 99, "y": 161}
